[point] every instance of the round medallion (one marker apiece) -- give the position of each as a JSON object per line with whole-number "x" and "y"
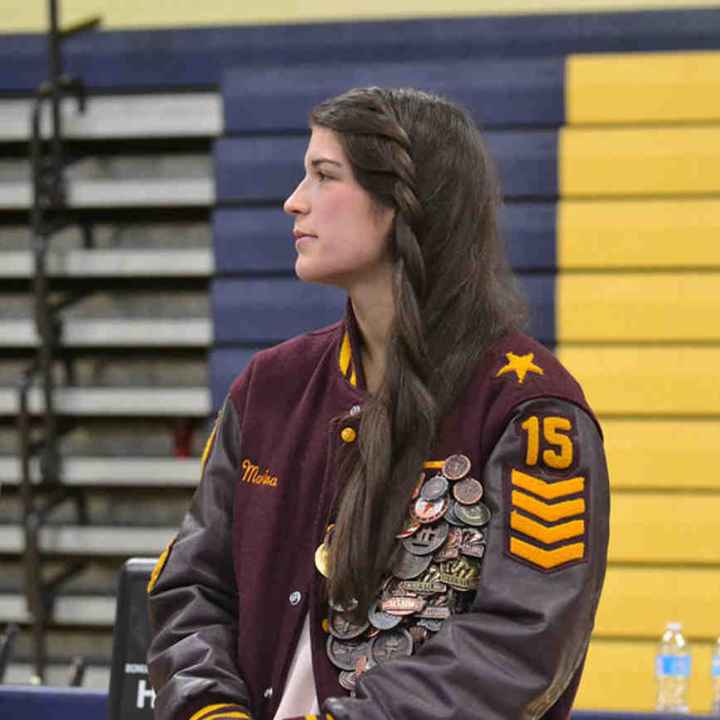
{"x": 408, "y": 566}
{"x": 456, "y": 467}
{"x": 344, "y": 654}
{"x": 392, "y": 644}
{"x": 345, "y": 629}
{"x": 477, "y": 514}
{"x": 381, "y": 619}
{"x": 468, "y": 491}
{"x": 451, "y": 514}
{"x": 434, "y": 488}
{"x": 428, "y": 512}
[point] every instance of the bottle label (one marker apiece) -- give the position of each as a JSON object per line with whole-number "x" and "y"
{"x": 716, "y": 666}
{"x": 673, "y": 665}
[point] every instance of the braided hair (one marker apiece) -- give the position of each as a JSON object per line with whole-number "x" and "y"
{"x": 422, "y": 156}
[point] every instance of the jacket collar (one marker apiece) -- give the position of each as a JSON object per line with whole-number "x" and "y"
{"x": 349, "y": 357}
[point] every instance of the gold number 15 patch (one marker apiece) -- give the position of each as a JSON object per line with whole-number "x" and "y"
{"x": 558, "y": 452}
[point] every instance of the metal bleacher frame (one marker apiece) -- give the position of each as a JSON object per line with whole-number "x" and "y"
{"x": 48, "y": 216}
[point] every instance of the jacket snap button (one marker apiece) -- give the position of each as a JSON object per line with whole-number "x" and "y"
{"x": 295, "y": 598}
{"x": 355, "y": 410}
{"x": 268, "y": 693}
{"x": 348, "y": 435}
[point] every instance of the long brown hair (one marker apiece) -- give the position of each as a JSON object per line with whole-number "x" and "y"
{"x": 454, "y": 295}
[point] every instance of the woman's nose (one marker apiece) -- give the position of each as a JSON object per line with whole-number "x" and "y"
{"x": 296, "y": 204}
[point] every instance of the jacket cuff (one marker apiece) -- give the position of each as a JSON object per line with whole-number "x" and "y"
{"x": 221, "y": 711}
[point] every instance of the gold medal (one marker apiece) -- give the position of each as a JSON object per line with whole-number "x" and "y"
{"x": 322, "y": 559}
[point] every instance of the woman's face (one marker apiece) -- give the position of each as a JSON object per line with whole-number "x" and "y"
{"x": 341, "y": 235}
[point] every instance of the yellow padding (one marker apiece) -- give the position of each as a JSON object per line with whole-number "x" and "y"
{"x": 547, "y": 535}
{"x": 619, "y": 675}
{"x": 353, "y": 377}
{"x": 642, "y": 87}
{"x": 224, "y": 715}
{"x": 547, "y": 559}
{"x": 638, "y": 306}
{"x": 628, "y": 234}
{"x": 636, "y": 601}
{"x": 548, "y": 490}
{"x": 673, "y": 454}
{"x": 547, "y": 512}
{"x": 647, "y": 381}
{"x": 433, "y": 464}
{"x": 665, "y": 528}
{"x": 639, "y": 161}
{"x": 345, "y": 354}
{"x": 207, "y": 712}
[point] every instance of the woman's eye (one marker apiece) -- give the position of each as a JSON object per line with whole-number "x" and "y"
{"x": 322, "y": 176}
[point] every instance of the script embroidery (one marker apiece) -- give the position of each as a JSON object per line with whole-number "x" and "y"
{"x": 252, "y": 474}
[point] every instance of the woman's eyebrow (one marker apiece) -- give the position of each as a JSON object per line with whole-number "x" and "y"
{"x": 320, "y": 161}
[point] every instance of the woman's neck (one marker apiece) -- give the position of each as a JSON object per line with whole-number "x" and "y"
{"x": 374, "y": 311}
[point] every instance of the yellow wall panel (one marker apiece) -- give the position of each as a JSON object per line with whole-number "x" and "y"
{"x": 637, "y": 602}
{"x": 642, "y": 87}
{"x": 662, "y": 454}
{"x": 621, "y": 676}
{"x": 638, "y": 306}
{"x": 638, "y": 234}
{"x": 639, "y": 161}
{"x": 30, "y": 16}
{"x": 665, "y": 528}
{"x": 647, "y": 380}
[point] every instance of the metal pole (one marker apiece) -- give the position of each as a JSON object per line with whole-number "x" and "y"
{"x": 56, "y": 71}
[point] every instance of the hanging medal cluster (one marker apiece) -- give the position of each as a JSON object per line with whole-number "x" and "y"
{"x": 435, "y": 574}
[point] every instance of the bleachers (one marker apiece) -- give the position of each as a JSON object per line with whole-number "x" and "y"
{"x": 138, "y": 341}
{"x": 606, "y": 131}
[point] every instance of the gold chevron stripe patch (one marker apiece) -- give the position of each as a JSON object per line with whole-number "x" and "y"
{"x": 549, "y": 491}
{"x": 544, "y": 524}
{"x": 543, "y": 533}
{"x": 545, "y": 511}
{"x": 547, "y": 559}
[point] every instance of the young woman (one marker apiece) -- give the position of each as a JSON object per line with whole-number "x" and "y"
{"x": 405, "y": 514}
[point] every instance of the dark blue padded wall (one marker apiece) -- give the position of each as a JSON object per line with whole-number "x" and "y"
{"x": 499, "y": 93}
{"x": 185, "y": 58}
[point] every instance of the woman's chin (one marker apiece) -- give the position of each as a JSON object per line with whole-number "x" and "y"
{"x": 308, "y": 271}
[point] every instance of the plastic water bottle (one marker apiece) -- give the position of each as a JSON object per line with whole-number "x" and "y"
{"x": 715, "y": 680}
{"x": 672, "y": 670}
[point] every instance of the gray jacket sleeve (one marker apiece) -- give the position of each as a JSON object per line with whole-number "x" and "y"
{"x": 522, "y": 644}
{"x": 192, "y": 597}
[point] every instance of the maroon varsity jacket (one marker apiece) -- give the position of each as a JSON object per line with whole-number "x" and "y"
{"x": 229, "y": 596}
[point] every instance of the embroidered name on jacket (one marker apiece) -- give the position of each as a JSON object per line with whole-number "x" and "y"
{"x": 252, "y": 474}
{"x": 547, "y": 520}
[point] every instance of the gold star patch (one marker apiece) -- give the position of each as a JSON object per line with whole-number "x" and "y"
{"x": 521, "y": 365}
